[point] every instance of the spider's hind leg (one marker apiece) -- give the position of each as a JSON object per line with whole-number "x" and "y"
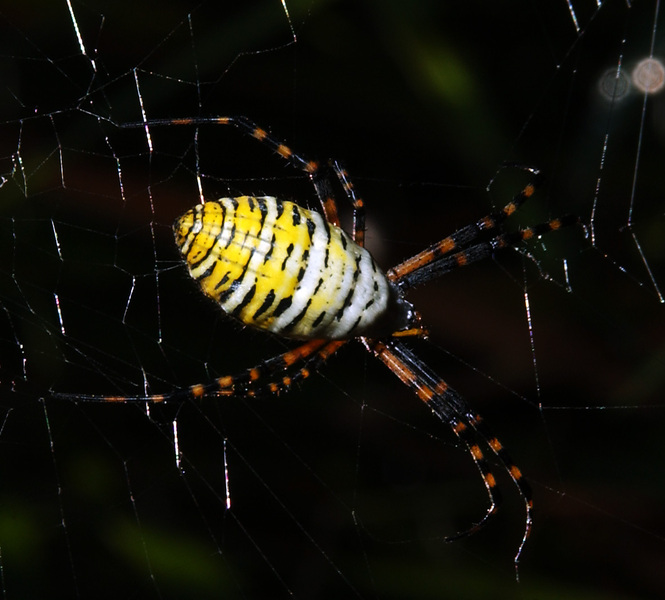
{"x": 357, "y": 203}
{"x": 277, "y": 374}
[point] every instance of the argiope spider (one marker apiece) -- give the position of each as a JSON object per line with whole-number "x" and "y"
{"x": 287, "y": 270}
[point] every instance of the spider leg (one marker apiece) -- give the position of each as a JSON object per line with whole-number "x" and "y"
{"x": 356, "y": 203}
{"x": 420, "y": 272}
{"x": 452, "y": 409}
{"x": 317, "y": 175}
{"x": 313, "y": 355}
{"x": 465, "y": 235}
{"x": 249, "y": 382}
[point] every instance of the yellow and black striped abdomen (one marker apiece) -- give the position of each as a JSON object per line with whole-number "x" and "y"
{"x": 282, "y": 268}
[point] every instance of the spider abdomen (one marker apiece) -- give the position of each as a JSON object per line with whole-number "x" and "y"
{"x": 281, "y": 268}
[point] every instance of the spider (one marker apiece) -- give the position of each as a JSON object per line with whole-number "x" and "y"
{"x": 276, "y": 266}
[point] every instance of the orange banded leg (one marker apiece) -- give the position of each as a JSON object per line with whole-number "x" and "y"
{"x": 464, "y": 236}
{"x": 452, "y": 409}
{"x": 251, "y": 382}
{"x": 242, "y": 123}
{"x": 412, "y": 272}
{"x": 312, "y": 353}
{"x": 356, "y": 203}
{"x": 319, "y": 178}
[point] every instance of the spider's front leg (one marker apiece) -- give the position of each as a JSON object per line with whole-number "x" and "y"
{"x": 466, "y": 424}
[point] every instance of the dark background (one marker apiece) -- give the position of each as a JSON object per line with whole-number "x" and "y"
{"x": 345, "y": 486}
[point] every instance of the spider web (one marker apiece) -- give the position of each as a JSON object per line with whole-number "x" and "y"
{"x": 345, "y": 486}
